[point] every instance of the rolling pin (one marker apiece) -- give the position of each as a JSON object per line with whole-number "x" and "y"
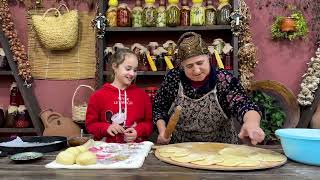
{"x": 172, "y": 122}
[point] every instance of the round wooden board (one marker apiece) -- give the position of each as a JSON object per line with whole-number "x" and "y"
{"x": 207, "y": 148}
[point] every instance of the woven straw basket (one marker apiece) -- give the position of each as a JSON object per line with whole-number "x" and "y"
{"x": 79, "y": 111}
{"x": 57, "y": 32}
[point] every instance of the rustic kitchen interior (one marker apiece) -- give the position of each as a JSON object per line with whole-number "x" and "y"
{"x": 55, "y": 54}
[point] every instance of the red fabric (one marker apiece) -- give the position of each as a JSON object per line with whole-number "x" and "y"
{"x": 198, "y": 84}
{"x": 104, "y": 103}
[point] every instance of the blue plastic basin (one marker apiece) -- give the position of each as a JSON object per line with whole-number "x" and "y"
{"x": 301, "y": 145}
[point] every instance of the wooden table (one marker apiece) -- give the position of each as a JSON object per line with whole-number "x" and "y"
{"x": 152, "y": 169}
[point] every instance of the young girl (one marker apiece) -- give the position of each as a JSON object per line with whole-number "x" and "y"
{"x": 120, "y": 112}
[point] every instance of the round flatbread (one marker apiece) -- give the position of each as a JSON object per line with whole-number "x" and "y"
{"x": 230, "y": 160}
{"x": 165, "y": 154}
{"x": 270, "y": 157}
{"x": 189, "y": 158}
{"x": 249, "y": 162}
{"x": 173, "y": 152}
{"x": 171, "y": 149}
{"x": 209, "y": 160}
{"x": 242, "y": 151}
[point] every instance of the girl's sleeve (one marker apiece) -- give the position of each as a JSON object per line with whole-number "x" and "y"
{"x": 166, "y": 96}
{"x": 145, "y": 128}
{"x": 94, "y": 124}
{"x": 232, "y": 96}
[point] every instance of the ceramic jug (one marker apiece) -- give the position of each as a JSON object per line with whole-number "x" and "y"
{"x": 57, "y": 125}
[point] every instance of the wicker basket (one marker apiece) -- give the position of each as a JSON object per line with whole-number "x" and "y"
{"x": 79, "y": 111}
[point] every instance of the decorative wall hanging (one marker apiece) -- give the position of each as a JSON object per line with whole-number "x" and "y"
{"x": 18, "y": 50}
{"x": 311, "y": 80}
{"x": 76, "y": 63}
{"x": 291, "y": 27}
{"x": 57, "y": 32}
{"x": 247, "y": 52}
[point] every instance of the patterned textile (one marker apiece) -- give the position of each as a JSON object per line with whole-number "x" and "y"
{"x": 231, "y": 95}
{"x": 202, "y": 120}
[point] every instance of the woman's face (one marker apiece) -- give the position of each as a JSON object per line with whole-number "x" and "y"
{"x": 126, "y": 72}
{"x": 196, "y": 68}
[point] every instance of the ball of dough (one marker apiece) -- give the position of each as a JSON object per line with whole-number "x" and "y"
{"x": 66, "y": 158}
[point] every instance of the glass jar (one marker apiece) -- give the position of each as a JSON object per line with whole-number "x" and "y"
{"x": 227, "y": 62}
{"x": 224, "y": 11}
{"x": 137, "y": 15}
{"x": 111, "y": 14}
{"x": 14, "y": 95}
{"x": 210, "y": 13}
{"x": 161, "y": 14}
{"x": 123, "y": 16}
{"x": 197, "y": 13}
{"x": 149, "y": 16}
{"x": 23, "y": 119}
{"x": 11, "y": 116}
{"x": 173, "y": 13}
{"x": 2, "y": 120}
{"x": 143, "y": 64}
{"x": 185, "y": 14}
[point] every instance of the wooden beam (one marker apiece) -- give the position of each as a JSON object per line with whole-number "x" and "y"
{"x": 100, "y": 47}
{"x": 27, "y": 92}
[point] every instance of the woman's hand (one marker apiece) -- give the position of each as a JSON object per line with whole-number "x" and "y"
{"x": 162, "y": 140}
{"x": 130, "y": 135}
{"x": 251, "y": 128}
{"x": 162, "y": 129}
{"x": 114, "y": 129}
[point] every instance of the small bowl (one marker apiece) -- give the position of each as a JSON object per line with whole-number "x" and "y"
{"x": 77, "y": 141}
{"x": 301, "y": 145}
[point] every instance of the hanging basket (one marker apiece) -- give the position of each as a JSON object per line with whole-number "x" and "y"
{"x": 79, "y": 111}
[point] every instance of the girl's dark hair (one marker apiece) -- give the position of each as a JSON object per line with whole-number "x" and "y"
{"x": 118, "y": 58}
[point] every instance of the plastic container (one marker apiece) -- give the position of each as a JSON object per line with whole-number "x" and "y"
{"x": 301, "y": 145}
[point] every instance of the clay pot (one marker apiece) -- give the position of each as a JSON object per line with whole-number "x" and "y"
{"x": 288, "y": 24}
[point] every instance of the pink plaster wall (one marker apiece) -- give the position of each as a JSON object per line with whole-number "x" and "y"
{"x": 282, "y": 61}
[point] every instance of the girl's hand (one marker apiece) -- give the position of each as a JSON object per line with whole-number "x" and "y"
{"x": 114, "y": 129}
{"x": 130, "y": 135}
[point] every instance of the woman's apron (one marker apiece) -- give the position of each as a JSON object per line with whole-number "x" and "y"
{"x": 202, "y": 120}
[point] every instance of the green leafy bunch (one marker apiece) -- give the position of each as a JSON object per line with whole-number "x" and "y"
{"x": 273, "y": 116}
{"x": 301, "y": 29}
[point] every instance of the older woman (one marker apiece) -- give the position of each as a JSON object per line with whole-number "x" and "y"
{"x": 208, "y": 97}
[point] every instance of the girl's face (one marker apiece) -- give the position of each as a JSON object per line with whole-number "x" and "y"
{"x": 126, "y": 72}
{"x": 196, "y": 68}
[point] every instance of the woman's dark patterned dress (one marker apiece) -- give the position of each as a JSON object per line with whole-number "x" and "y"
{"x": 206, "y": 111}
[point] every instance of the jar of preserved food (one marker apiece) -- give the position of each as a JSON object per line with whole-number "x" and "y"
{"x": 123, "y": 15}
{"x": 173, "y": 13}
{"x": 185, "y": 14}
{"x": 149, "y": 16}
{"x": 160, "y": 60}
{"x": 197, "y": 13}
{"x": 224, "y": 11}
{"x": 210, "y": 13}
{"x": 111, "y": 14}
{"x": 137, "y": 15}
{"x": 227, "y": 62}
{"x": 161, "y": 14}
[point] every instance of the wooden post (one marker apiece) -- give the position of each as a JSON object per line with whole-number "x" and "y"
{"x": 27, "y": 93}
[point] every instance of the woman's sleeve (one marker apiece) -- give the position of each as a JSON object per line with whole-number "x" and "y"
{"x": 166, "y": 96}
{"x": 93, "y": 123}
{"x": 232, "y": 96}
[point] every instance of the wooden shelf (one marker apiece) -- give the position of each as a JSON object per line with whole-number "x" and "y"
{"x": 17, "y": 130}
{"x": 5, "y": 73}
{"x": 178, "y": 28}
